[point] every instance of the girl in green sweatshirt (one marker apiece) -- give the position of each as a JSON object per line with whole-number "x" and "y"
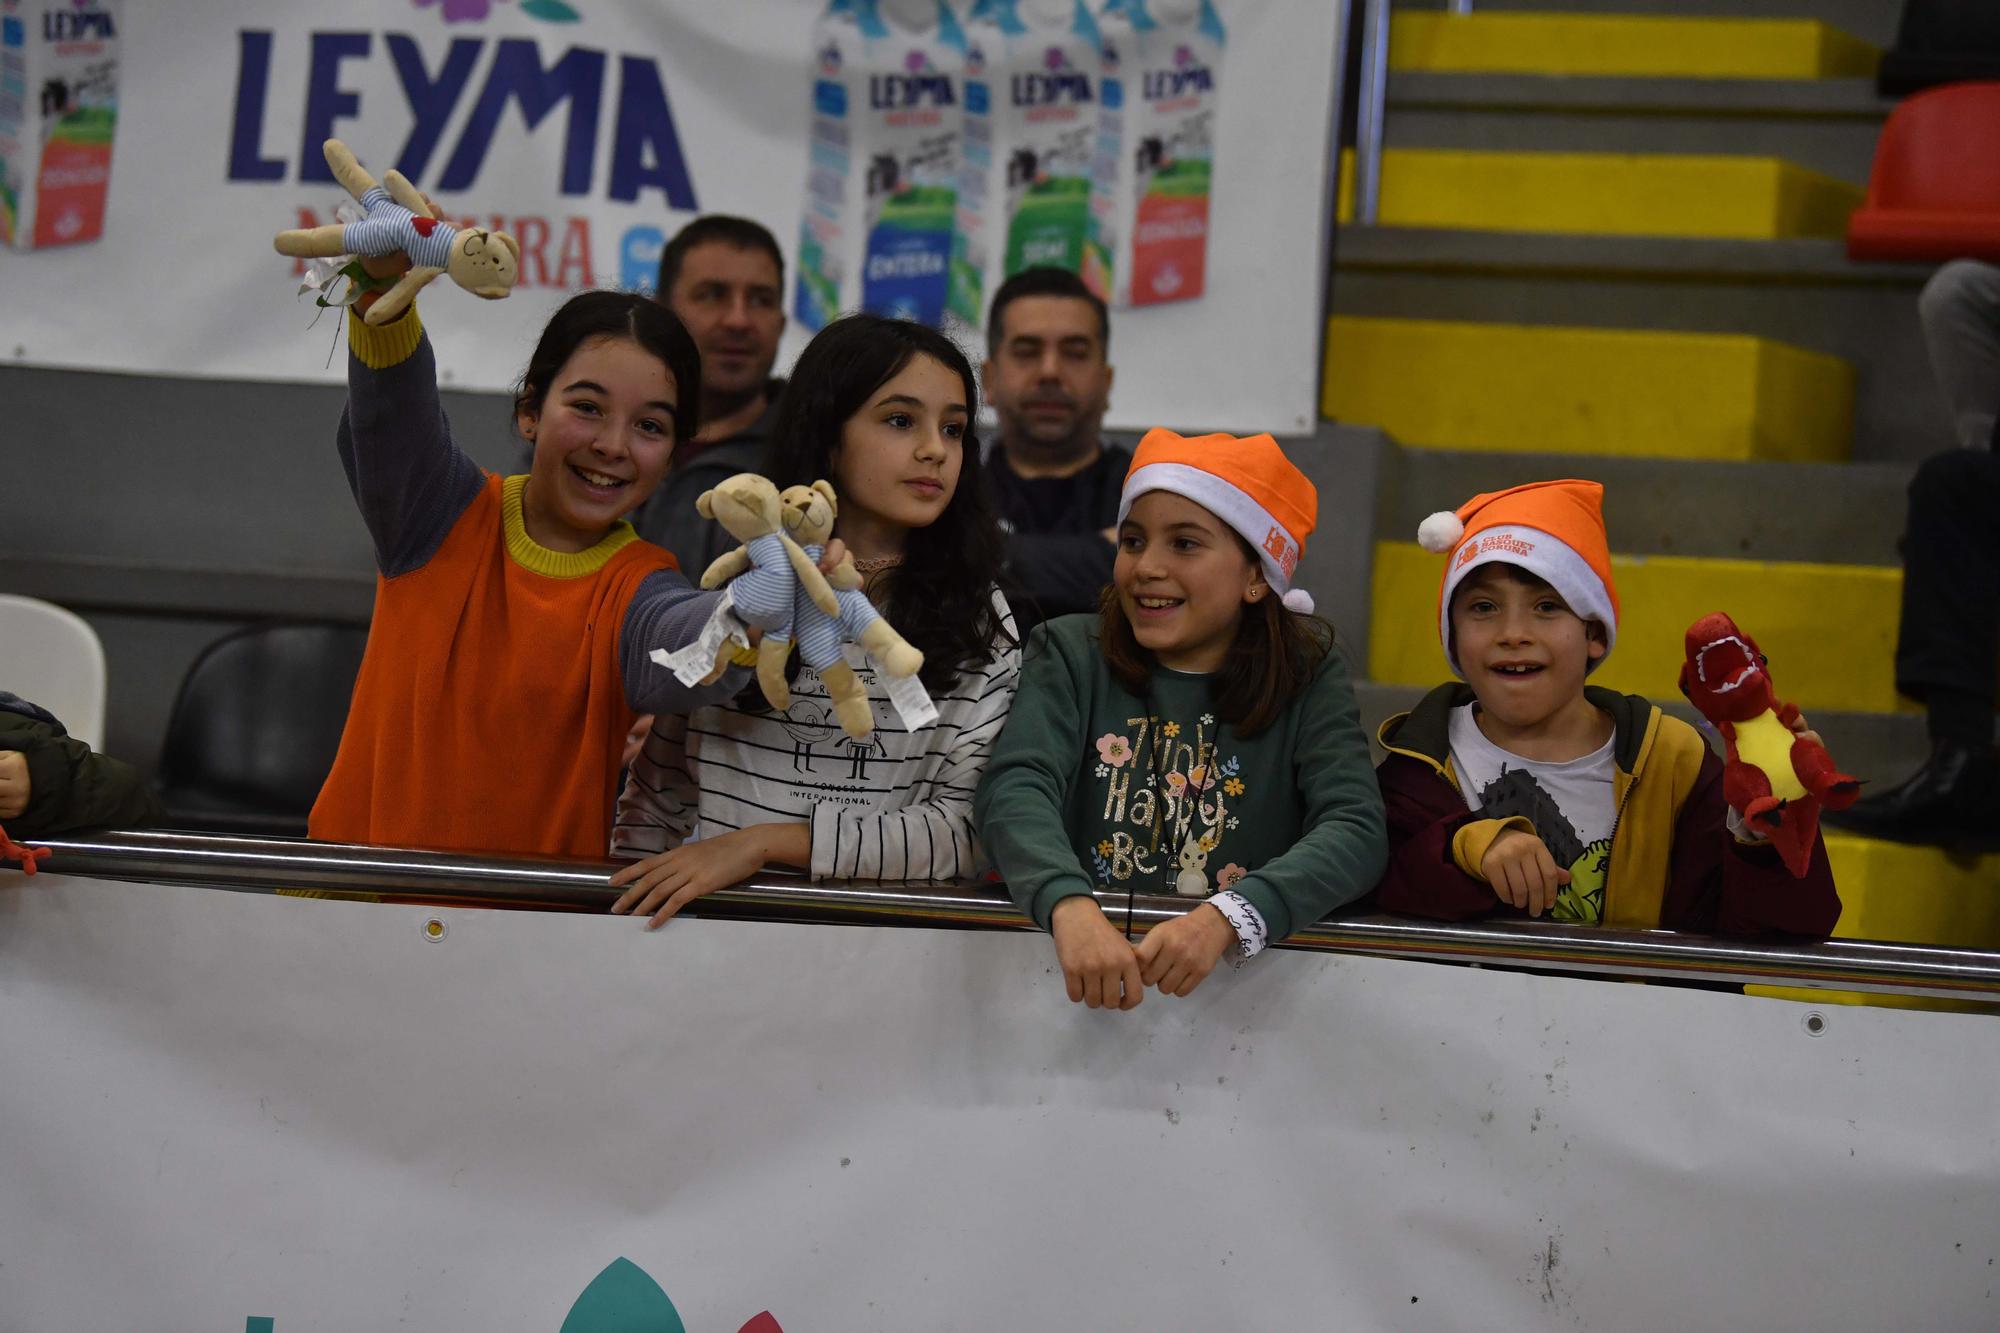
{"x": 1196, "y": 737}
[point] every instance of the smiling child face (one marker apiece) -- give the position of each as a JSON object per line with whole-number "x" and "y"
{"x": 1183, "y": 578}
{"x": 1520, "y": 647}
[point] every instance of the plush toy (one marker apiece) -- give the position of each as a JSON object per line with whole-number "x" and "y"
{"x": 775, "y": 583}
{"x": 1774, "y": 778}
{"x": 485, "y": 263}
{"x": 809, "y": 512}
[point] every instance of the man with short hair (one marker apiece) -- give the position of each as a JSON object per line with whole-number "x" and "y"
{"x": 1055, "y": 481}
{"x": 724, "y": 278}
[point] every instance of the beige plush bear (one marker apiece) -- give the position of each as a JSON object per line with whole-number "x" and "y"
{"x": 768, "y": 576}
{"x": 485, "y": 263}
{"x": 776, "y": 584}
{"x": 809, "y": 512}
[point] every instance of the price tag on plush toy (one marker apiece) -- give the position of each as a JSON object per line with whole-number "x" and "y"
{"x": 704, "y": 660}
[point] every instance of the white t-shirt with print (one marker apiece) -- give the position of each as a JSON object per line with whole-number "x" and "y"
{"x": 1572, "y": 805}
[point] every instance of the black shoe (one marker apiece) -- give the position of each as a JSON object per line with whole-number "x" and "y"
{"x": 1952, "y": 801}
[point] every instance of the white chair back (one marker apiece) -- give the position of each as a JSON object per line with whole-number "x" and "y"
{"x": 51, "y": 657}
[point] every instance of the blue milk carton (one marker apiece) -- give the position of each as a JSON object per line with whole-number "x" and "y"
{"x": 882, "y": 175}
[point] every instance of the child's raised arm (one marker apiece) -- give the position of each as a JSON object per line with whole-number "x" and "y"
{"x": 409, "y": 477}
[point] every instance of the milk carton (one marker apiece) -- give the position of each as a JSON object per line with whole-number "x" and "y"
{"x": 1160, "y": 69}
{"x": 1030, "y": 135}
{"x": 58, "y": 108}
{"x": 882, "y": 175}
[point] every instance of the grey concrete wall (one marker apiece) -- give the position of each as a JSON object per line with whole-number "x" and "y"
{"x": 1349, "y": 466}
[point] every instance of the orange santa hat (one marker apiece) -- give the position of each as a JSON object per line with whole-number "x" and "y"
{"x": 1552, "y": 529}
{"x": 1246, "y": 482}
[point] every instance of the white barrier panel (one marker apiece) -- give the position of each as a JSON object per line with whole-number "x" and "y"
{"x": 592, "y": 129}
{"x": 224, "y": 1111}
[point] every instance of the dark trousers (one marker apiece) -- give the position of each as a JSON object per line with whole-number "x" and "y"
{"x": 1948, "y": 645}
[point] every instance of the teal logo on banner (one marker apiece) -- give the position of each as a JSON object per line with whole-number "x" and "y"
{"x": 622, "y": 1299}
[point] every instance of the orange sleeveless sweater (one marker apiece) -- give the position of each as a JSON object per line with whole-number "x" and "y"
{"x": 490, "y": 712}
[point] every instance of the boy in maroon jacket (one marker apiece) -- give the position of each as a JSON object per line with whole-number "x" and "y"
{"x": 1521, "y": 790}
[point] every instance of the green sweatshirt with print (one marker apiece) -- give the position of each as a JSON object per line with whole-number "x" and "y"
{"x": 1092, "y": 787}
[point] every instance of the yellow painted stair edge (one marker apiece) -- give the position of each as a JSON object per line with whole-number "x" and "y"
{"x": 1829, "y": 630}
{"x": 1606, "y": 194}
{"x": 1552, "y": 389}
{"x": 1627, "y": 46}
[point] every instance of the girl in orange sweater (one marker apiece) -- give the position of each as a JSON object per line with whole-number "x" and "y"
{"x": 514, "y": 616}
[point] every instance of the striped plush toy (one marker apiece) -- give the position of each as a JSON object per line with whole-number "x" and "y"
{"x": 399, "y": 219}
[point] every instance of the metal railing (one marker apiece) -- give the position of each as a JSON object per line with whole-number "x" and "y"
{"x": 1373, "y": 105}
{"x": 454, "y": 878}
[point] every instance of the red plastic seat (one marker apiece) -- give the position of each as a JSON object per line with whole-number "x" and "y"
{"x": 1934, "y": 190}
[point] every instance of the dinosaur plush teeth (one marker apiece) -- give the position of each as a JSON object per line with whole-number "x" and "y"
{"x": 1774, "y": 778}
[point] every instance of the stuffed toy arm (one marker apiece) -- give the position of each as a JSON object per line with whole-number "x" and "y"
{"x": 810, "y": 579}
{"x": 726, "y": 567}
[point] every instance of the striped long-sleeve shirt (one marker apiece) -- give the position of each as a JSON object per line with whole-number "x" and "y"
{"x": 896, "y": 806}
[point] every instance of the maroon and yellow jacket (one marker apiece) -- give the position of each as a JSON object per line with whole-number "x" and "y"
{"x": 1674, "y": 863}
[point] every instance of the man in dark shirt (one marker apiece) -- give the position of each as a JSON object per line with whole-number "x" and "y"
{"x": 724, "y": 278}
{"x": 1056, "y": 482}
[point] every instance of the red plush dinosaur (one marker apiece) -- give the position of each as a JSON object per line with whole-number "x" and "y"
{"x": 1776, "y": 779}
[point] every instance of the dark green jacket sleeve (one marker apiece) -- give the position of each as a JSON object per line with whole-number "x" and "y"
{"x": 72, "y": 787}
{"x": 1018, "y": 810}
{"x": 1344, "y": 845}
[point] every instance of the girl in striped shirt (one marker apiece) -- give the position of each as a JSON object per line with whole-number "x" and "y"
{"x": 883, "y": 409}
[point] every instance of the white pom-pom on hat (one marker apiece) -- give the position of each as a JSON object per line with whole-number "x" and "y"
{"x": 1440, "y": 532}
{"x": 1298, "y": 600}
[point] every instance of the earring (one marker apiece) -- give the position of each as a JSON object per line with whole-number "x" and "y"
{"x": 1256, "y": 593}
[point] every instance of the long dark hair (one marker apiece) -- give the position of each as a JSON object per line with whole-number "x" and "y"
{"x": 941, "y": 596}
{"x": 1271, "y": 660}
{"x": 628, "y": 315}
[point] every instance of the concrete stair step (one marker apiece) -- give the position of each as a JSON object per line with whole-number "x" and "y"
{"x": 1829, "y": 126}
{"x": 1824, "y": 98}
{"x": 1468, "y": 386}
{"x": 1626, "y": 45}
{"x": 1798, "y": 291}
{"x": 1824, "y": 513}
{"x": 1785, "y": 260}
{"x": 1829, "y": 630}
{"x": 1600, "y": 193}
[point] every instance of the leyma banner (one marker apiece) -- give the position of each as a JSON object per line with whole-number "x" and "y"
{"x": 234, "y": 1112}
{"x": 909, "y": 154}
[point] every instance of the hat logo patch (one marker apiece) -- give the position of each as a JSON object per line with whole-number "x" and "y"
{"x": 1496, "y": 542}
{"x": 1280, "y": 548}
